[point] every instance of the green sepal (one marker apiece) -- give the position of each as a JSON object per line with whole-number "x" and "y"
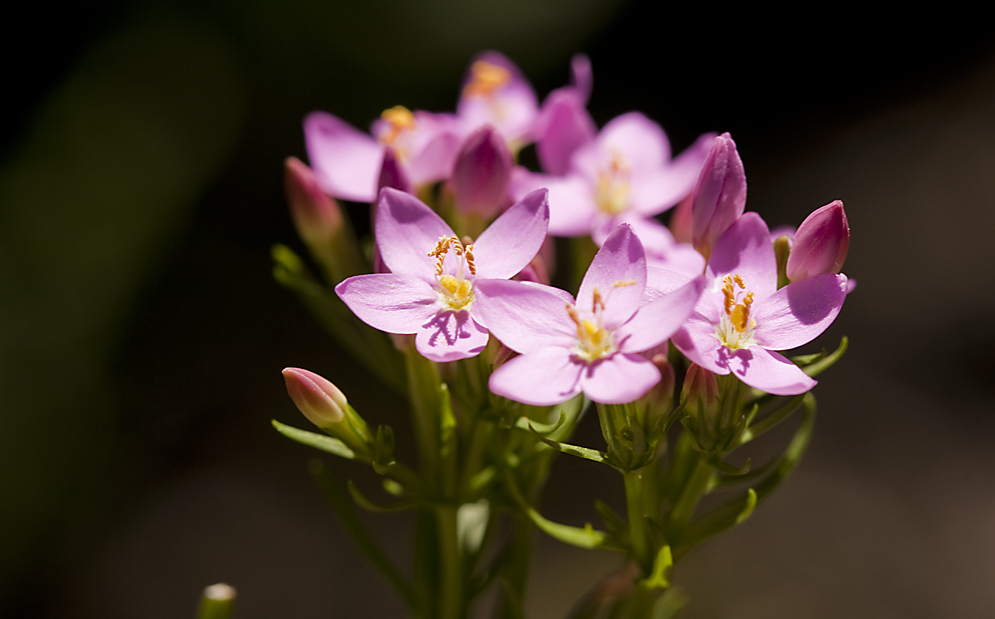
{"x": 581, "y": 452}
{"x": 542, "y": 429}
{"x": 659, "y": 578}
{"x": 319, "y": 441}
{"x": 370, "y": 506}
{"x": 670, "y": 604}
{"x": 822, "y": 361}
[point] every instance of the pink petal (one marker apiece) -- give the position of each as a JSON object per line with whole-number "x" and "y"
{"x": 543, "y": 377}
{"x": 658, "y": 320}
{"x": 389, "y": 302}
{"x": 640, "y": 140}
{"x": 619, "y": 379}
{"x": 746, "y": 249}
{"x": 449, "y": 335}
{"x": 571, "y": 205}
{"x": 512, "y": 241}
{"x": 523, "y": 315}
{"x": 618, "y": 272}
{"x": 769, "y": 371}
{"x": 696, "y": 340}
{"x": 345, "y": 160}
{"x": 407, "y": 231}
{"x": 563, "y": 126}
{"x": 658, "y": 190}
{"x": 799, "y": 312}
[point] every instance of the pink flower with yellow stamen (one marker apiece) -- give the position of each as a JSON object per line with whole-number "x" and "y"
{"x": 430, "y": 290}
{"x": 592, "y": 345}
{"x": 742, "y": 317}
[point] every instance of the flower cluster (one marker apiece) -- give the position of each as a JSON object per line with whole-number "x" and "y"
{"x": 463, "y": 259}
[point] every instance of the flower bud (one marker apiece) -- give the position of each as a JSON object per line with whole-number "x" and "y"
{"x": 700, "y": 398}
{"x": 482, "y": 174}
{"x": 316, "y": 216}
{"x": 320, "y": 401}
{"x": 563, "y": 127}
{"x": 820, "y": 244}
{"x": 719, "y": 196}
{"x": 326, "y": 407}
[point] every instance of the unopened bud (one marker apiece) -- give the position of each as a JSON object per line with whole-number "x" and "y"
{"x": 316, "y": 216}
{"x": 482, "y": 174}
{"x": 326, "y": 407}
{"x": 320, "y": 400}
{"x": 392, "y": 174}
{"x": 821, "y": 243}
{"x": 719, "y": 196}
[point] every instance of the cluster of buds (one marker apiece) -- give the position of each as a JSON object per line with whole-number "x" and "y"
{"x": 459, "y": 277}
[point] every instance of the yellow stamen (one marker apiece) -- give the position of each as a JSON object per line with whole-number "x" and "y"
{"x": 612, "y": 188}
{"x": 622, "y": 283}
{"x": 736, "y": 327}
{"x": 485, "y": 79}
{"x": 399, "y": 119}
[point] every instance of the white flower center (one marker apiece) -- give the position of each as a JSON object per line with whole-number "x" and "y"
{"x": 455, "y": 291}
{"x": 736, "y": 326}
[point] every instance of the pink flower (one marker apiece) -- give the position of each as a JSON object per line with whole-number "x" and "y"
{"x": 592, "y": 345}
{"x": 431, "y": 289}
{"x": 742, "y": 317}
{"x": 347, "y": 162}
{"x": 496, "y": 93}
{"x": 624, "y": 175}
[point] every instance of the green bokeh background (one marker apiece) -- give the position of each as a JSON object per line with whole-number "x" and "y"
{"x": 141, "y": 335}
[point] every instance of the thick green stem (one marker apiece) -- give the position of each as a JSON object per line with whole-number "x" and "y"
{"x": 639, "y": 536}
{"x": 450, "y": 585}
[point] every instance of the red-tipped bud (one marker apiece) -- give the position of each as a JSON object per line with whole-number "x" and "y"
{"x": 316, "y": 216}
{"x": 659, "y": 401}
{"x": 320, "y": 401}
{"x": 701, "y": 389}
{"x": 820, "y": 244}
{"x": 719, "y": 196}
{"x": 482, "y": 174}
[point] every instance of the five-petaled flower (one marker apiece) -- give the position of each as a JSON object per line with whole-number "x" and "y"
{"x": 742, "y": 317}
{"x": 592, "y": 345}
{"x": 431, "y": 287}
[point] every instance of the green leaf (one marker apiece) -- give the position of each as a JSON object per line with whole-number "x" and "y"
{"x": 586, "y": 537}
{"x": 542, "y": 429}
{"x": 369, "y": 505}
{"x": 780, "y": 409}
{"x": 613, "y": 521}
{"x": 574, "y": 450}
{"x": 660, "y": 577}
{"x": 733, "y": 513}
{"x": 319, "y": 441}
{"x": 816, "y": 368}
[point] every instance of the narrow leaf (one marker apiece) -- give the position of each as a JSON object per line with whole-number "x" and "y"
{"x": 318, "y": 441}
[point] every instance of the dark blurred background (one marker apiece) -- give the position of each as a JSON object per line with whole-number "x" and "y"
{"x": 142, "y": 335}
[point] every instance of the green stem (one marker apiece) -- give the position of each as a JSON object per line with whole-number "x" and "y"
{"x": 635, "y": 502}
{"x": 690, "y": 494}
{"x": 450, "y": 586}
